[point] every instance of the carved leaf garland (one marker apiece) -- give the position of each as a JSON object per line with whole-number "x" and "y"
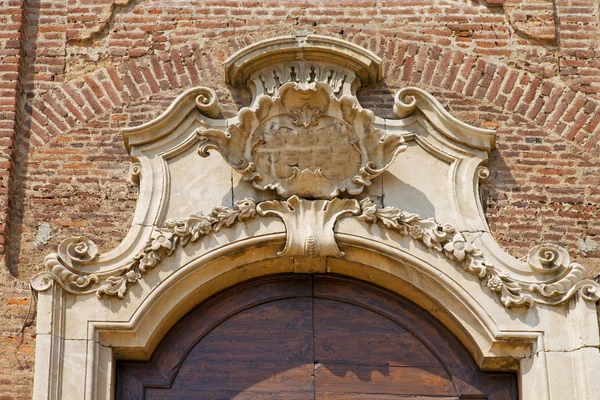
{"x": 445, "y": 240}
{"x": 162, "y": 243}
{"x": 310, "y": 233}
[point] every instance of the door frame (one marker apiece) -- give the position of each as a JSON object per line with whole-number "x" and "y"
{"x": 524, "y": 341}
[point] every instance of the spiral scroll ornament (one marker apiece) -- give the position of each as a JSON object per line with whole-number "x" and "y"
{"x": 568, "y": 278}
{"x": 565, "y": 279}
{"x": 77, "y": 250}
{"x": 548, "y": 258}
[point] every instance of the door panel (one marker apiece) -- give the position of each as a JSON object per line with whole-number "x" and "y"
{"x": 309, "y": 337}
{"x": 260, "y": 352}
{"x": 361, "y": 352}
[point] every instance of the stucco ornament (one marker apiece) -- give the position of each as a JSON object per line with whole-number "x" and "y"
{"x": 444, "y": 239}
{"x": 162, "y": 243}
{"x": 304, "y": 141}
{"x": 309, "y": 224}
{"x": 329, "y": 188}
{"x": 310, "y": 227}
{"x": 306, "y": 138}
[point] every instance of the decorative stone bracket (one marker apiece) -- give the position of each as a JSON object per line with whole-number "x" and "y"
{"x": 309, "y": 224}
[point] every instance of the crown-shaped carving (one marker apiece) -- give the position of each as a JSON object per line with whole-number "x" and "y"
{"x": 267, "y": 65}
{"x": 306, "y": 142}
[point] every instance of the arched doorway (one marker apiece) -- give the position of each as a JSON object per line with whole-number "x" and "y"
{"x": 310, "y": 337}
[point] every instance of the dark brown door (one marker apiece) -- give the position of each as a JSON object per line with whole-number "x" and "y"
{"x": 310, "y": 337}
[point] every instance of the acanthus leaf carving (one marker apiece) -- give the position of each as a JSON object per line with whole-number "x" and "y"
{"x": 310, "y": 233}
{"x": 309, "y": 224}
{"x": 306, "y": 136}
{"x": 305, "y": 141}
{"x": 162, "y": 243}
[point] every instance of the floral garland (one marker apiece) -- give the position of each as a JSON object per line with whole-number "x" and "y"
{"x": 444, "y": 239}
{"x": 163, "y": 241}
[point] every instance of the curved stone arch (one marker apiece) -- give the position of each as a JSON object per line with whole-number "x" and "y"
{"x": 436, "y": 266}
{"x": 403, "y": 273}
{"x": 200, "y": 278}
{"x": 198, "y": 324}
{"x": 518, "y": 341}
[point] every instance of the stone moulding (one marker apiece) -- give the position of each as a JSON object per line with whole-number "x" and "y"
{"x": 446, "y": 240}
{"x": 410, "y": 99}
{"x": 306, "y": 136}
{"x": 162, "y": 242}
{"x": 310, "y": 233}
{"x": 251, "y": 61}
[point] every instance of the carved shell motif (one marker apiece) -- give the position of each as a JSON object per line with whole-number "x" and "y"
{"x": 305, "y": 142}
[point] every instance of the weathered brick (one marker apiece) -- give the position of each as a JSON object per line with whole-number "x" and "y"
{"x": 70, "y": 82}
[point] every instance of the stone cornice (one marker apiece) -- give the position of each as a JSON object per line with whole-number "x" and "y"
{"x": 242, "y": 65}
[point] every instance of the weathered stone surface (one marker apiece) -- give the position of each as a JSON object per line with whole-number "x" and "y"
{"x": 66, "y": 101}
{"x": 512, "y": 315}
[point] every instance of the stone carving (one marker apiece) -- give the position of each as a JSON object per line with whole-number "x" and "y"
{"x": 305, "y": 142}
{"x": 135, "y": 170}
{"x": 548, "y": 258}
{"x": 162, "y": 242}
{"x": 451, "y": 244}
{"x": 269, "y": 81}
{"x": 77, "y": 251}
{"x": 408, "y": 100}
{"x": 273, "y": 62}
{"x": 310, "y": 233}
{"x": 206, "y": 102}
{"x": 63, "y": 266}
{"x": 309, "y": 224}
{"x": 306, "y": 136}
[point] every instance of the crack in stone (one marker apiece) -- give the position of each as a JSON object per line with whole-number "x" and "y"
{"x": 563, "y": 351}
{"x": 73, "y": 339}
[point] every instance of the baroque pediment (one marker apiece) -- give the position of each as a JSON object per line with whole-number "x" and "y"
{"x": 304, "y": 165}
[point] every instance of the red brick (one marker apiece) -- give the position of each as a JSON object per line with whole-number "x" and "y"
{"x": 79, "y": 93}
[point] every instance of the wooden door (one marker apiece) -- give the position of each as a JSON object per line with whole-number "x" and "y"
{"x": 310, "y": 337}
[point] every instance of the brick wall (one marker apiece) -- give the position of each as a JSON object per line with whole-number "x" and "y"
{"x": 73, "y": 73}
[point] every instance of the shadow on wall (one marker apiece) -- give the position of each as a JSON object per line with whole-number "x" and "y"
{"x": 501, "y": 180}
{"x": 21, "y": 152}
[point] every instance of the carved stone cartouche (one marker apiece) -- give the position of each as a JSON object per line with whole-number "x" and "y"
{"x": 306, "y": 142}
